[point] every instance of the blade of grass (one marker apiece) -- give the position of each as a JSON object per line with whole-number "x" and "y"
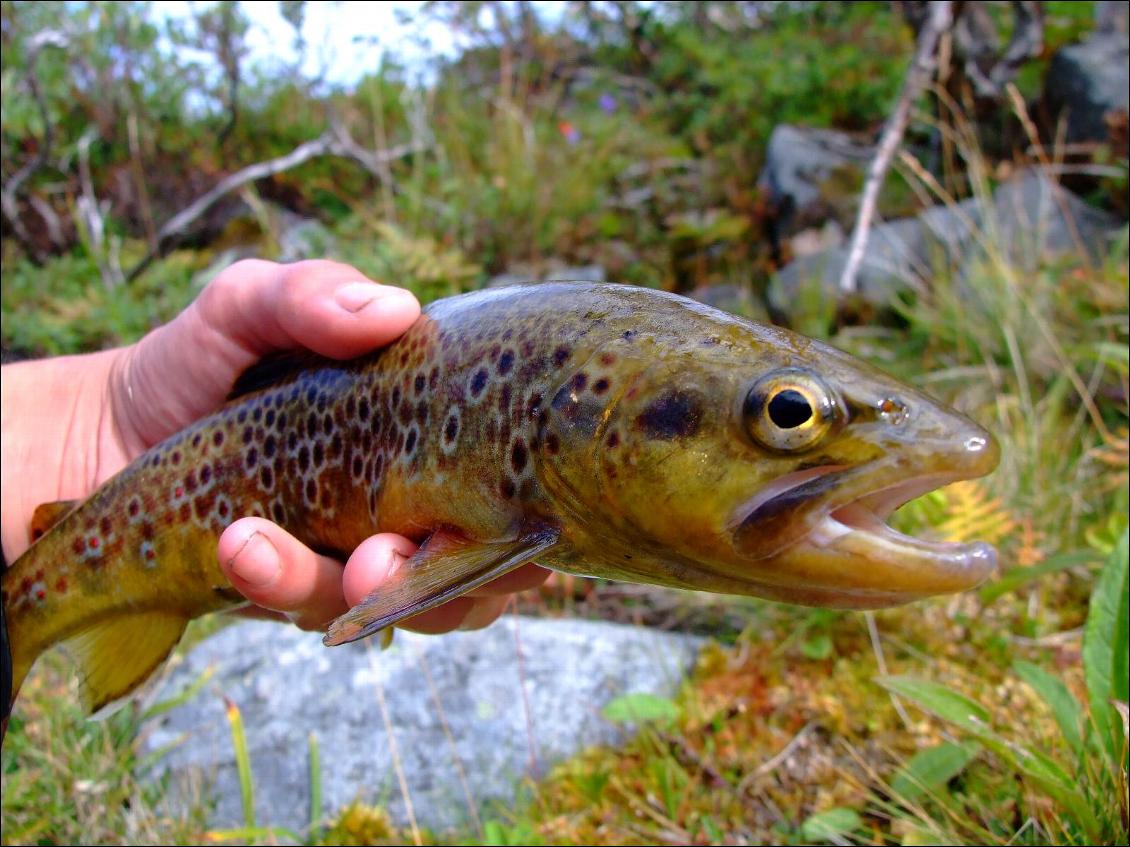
{"x": 242, "y": 761}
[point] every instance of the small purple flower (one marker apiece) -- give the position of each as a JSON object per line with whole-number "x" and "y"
{"x": 607, "y": 103}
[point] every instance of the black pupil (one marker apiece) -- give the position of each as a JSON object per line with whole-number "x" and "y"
{"x": 789, "y": 409}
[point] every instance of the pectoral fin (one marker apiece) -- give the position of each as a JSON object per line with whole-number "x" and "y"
{"x": 444, "y": 567}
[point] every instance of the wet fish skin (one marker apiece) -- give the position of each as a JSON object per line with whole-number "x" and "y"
{"x": 604, "y": 429}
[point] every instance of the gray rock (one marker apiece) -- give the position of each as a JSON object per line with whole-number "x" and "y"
{"x": 1030, "y": 218}
{"x": 556, "y": 272}
{"x": 582, "y": 273}
{"x": 733, "y": 298}
{"x": 799, "y": 165}
{"x": 1088, "y": 80}
{"x": 516, "y": 697}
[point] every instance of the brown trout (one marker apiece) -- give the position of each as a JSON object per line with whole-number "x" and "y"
{"x": 601, "y": 430}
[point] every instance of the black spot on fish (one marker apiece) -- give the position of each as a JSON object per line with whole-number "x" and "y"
{"x": 420, "y": 382}
{"x": 478, "y": 382}
{"x": 505, "y": 362}
{"x": 675, "y": 414}
{"x": 560, "y": 355}
{"x": 451, "y": 428}
{"x": 518, "y": 456}
{"x": 600, "y": 386}
{"x": 507, "y": 488}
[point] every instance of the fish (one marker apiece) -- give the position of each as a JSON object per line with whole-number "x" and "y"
{"x": 602, "y": 430}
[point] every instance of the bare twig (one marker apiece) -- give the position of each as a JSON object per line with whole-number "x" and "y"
{"x": 772, "y": 764}
{"x": 918, "y": 74}
{"x": 881, "y": 661}
{"x": 10, "y": 192}
{"x": 335, "y": 141}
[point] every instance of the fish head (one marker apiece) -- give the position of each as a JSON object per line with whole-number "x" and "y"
{"x": 757, "y": 461}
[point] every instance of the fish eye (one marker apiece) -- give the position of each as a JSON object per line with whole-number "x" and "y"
{"x": 789, "y": 410}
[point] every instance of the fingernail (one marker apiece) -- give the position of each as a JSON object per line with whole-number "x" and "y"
{"x": 356, "y": 296}
{"x": 257, "y": 561}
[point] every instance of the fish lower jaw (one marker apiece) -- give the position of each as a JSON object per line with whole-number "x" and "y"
{"x": 902, "y": 563}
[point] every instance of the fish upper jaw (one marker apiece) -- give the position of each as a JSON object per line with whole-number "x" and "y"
{"x": 834, "y": 543}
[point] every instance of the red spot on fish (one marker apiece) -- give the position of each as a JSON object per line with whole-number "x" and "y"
{"x": 40, "y": 594}
{"x": 607, "y": 358}
{"x": 93, "y": 543}
{"x": 179, "y": 491}
{"x": 150, "y": 554}
{"x": 61, "y": 584}
{"x": 175, "y": 458}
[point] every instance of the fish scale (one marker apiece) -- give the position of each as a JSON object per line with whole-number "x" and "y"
{"x": 603, "y": 429}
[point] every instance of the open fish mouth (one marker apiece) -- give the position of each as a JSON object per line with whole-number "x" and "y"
{"x": 843, "y": 552}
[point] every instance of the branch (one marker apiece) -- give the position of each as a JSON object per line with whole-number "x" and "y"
{"x": 333, "y": 142}
{"x": 917, "y": 75}
{"x": 9, "y": 194}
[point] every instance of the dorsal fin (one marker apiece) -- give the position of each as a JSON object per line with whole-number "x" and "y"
{"x": 272, "y": 370}
{"x": 47, "y": 515}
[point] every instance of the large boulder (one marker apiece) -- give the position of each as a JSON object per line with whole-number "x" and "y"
{"x": 1028, "y": 219}
{"x": 464, "y": 716}
{"x": 1089, "y": 82}
{"x": 811, "y": 176}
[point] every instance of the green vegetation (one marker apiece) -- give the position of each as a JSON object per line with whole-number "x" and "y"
{"x": 633, "y": 140}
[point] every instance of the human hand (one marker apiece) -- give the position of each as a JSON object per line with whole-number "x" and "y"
{"x": 122, "y": 402}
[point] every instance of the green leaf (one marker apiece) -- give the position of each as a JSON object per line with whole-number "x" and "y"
{"x": 817, "y": 647}
{"x": 831, "y": 822}
{"x": 1105, "y": 648}
{"x": 929, "y": 770}
{"x": 641, "y": 708}
{"x": 943, "y": 702}
{"x": 1063, "y": 704}
{"x": 1015, "y": 577}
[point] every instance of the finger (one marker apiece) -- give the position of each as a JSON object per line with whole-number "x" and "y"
{"x": 273, "y": 569}
{"x": 521, "y": 579}
{"x": 372, "y": 564}
{"x": 485, "y": 612}
{"x": 251, "y": 309}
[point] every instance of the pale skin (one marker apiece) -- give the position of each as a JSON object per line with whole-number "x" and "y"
{"x": 70, "y": 423}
